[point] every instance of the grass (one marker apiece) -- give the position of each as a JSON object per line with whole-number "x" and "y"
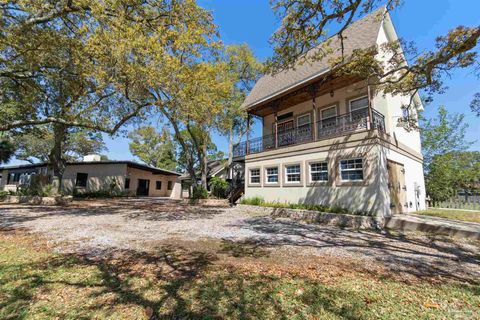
{"x": 470, "y": 216}
{"x": 259, "y": 201}
{"x": 174, "y": 283}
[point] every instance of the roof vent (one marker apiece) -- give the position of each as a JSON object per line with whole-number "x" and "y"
{"x": 92, "y": 157}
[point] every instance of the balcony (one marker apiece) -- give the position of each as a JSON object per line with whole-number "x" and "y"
{"x": 328, "y": 128}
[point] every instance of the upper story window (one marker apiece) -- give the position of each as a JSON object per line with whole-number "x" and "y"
{"x": 254, "y": 176}
{"x": 303, "y": 120}
{"x": 359, "y": 106}
{"x": 292, "y": 173}
{"x": 81, "y": 180}
{"x": 319, "y": 171}
{"x": 351, "y": 169}
{"x": 272, "y": 175}
{"x": 328, "y": 117}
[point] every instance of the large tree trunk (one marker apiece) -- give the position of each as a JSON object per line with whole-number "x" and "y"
{"x": 57, "y": 162}
{"x": 204, "y": 165}
{"x": 183, "y": 145}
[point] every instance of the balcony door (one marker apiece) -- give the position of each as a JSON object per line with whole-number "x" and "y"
{"x": 285, "y": 133}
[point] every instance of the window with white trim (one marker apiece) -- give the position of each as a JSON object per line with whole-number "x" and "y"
{"x": 303, "y": 120}
{"x": 254, "y": 176}
{"x": 319, "y": 171}
{"x": 272, "y": 175}
{"x": 358, "y": 103}
{"x": 351, "y": 169}
{"x": 328, "y": 117}
{"x": 292, "y": 173}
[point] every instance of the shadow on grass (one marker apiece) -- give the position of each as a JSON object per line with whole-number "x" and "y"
{"x": 186, "y": 285}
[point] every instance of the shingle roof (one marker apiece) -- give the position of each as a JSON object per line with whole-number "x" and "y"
{"x": 361, "y": 34}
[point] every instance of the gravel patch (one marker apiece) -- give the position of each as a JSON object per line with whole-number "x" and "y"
{"x": 137, "y": 224}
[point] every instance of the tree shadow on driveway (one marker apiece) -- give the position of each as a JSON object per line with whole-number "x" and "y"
{"x": 416, "y": 255}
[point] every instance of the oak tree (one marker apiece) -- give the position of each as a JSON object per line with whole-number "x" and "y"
{"x": 304, "y": 26}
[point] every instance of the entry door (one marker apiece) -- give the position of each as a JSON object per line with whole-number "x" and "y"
{"x": 143, "y": 187}
{"x": 397, "y": 187}
{"x": 285, "y": 134}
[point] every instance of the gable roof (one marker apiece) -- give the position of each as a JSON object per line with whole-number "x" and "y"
{"x": 361, "y": 34}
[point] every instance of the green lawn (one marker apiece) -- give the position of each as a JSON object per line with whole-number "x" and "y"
{"x": 471, "y": 216}
{"x": 36, "y": 283}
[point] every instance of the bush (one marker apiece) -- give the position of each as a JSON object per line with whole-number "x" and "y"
{"x": 3, "y": 195}
{"x": 98, "y": 194}
{"x": 219, "y": 187}
{"x": 199, "y": 192}
{"x": 38, "y": 186}
{"x": 255, "y": 201}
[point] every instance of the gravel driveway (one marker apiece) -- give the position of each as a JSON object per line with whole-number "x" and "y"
{"x": 139, "y": 223}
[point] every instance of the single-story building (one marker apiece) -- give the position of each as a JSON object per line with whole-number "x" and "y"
{"x": 93, "y": 175}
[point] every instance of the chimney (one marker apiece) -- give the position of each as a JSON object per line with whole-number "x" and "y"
{"x": 92, "y": 157}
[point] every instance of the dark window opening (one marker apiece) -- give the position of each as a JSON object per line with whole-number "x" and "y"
{"x": 159, "y": 185}
{"x": 127, "y": 183}
{"x": 81, "y": 180}
{"x": 170, "y": 185}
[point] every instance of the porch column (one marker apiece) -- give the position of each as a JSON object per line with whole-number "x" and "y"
{"x": 275, "y": 127}
{"x": 247, "y": 147}
{"x": 370, "y": 113}
{"x": 314, "y": 117}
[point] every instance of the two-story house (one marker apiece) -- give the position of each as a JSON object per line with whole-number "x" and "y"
{"x": 333, "y": 140}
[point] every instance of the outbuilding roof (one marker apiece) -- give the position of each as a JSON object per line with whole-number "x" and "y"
{"x": 129, "y": 163}
{"x": 361, "y": 34}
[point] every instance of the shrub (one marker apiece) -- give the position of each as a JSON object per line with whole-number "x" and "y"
{"x": 255, "y": 201}
{"x": 98, "y": 194}
{"x": 199, "y": 192}
{"x": 3, "y": 195}
{"x": 38, "y": 186}
{"x": 219, "y": 187}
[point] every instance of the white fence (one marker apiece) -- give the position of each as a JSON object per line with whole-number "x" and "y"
{"x": 460, "y": 202}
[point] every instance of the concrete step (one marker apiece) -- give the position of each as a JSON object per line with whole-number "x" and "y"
{"x": 434, "y": 225}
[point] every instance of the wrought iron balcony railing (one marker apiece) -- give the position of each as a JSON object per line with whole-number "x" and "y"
{"x": 335, "y": 126}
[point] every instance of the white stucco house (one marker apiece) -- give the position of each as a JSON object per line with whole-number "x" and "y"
{"x": 333, "y": 140}
{"x": 92, "y": 175}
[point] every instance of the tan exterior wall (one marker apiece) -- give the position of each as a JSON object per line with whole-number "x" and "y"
{"x": 100, "y": 177}
{"x": 368, "y": 195}
{"x": 135, "y": 174}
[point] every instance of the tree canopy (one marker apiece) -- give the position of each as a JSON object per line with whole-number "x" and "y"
{"x": 98, "y": 64}
{"x": 155, "y": 148}
{"x": 452, "y": 172}
{"x": 304, "y": 26}
{"x": 35, "y": 144}
{"x": 445, "y": 133}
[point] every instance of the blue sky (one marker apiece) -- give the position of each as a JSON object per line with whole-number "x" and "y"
{"x": 253, "y": 22}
